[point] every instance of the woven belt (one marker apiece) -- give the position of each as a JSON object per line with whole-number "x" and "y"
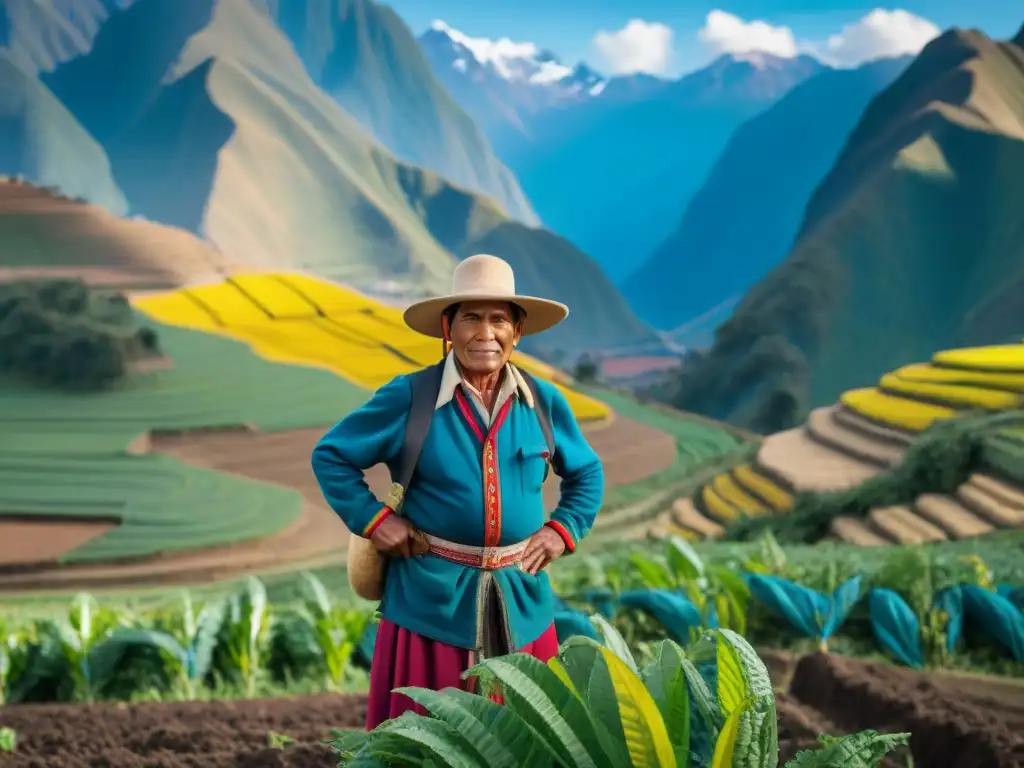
{"x": 482, "y": 558}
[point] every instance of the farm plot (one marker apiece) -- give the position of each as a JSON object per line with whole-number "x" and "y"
{"x": 828, "y": 694}
{"x": 160, "y": 504}
{"x": 867, "y": 434}
{"x": 85, "y": 459}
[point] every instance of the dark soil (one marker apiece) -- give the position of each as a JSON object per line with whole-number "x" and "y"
{"x": 218, "y": 734}
{"x": 829, "y": 694}
{"x": 947, "y": 730}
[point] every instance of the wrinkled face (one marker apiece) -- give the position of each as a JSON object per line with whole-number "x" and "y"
{"x": 483, "y": 334}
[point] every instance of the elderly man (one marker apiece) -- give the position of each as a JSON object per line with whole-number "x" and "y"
{"x": 465, "y": 558}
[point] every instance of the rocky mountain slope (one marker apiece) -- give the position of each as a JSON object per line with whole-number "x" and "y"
{"x": 218, "y": 129}
{"x": 41, "y": 140}
{"x": 746, "y": 215}
{"x": 363, "y": 55}
{"x": 912, "y": 243}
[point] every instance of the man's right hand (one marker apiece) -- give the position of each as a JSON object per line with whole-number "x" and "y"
{"x": 397, "y": 538}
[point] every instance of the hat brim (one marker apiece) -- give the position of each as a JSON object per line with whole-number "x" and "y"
{"x": 541, "y": 314}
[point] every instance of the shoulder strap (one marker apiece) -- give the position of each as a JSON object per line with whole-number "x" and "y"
{"x": 425, "y": 386}
{"x": 542, "y": 415}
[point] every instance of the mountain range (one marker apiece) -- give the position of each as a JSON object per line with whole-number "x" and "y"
{"x": 912, "y": 242}
{"x": 612, "y": 164}
{"x": 224, "y": 126}
{"x": 855, "y": 218}
{"x": 746, "y": 215}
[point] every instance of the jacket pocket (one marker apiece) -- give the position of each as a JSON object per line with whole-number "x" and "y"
{"x": 533, "y": 468}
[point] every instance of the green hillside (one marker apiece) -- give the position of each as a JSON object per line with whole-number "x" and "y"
{"x": 42, "y": 141}
{"x": 364, "y": 56}
{"x": 912, "y": 243}
{"x": 732, "y": 233}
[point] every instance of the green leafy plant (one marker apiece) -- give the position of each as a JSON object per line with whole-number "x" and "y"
{"x": 78, "y": 635}
{"x": 185, "y": 640}
{"x": 8, "y": 740}
{"x": 335, "y": 630}
{"x": 243, "y": 637}
{"x": 589, "y": 706}
{"x": 278, "y": 740}
{"x": 860, "y": 750}
{"x": 717, "y": 591}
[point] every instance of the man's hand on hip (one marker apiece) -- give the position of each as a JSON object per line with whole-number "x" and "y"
{"x": 545, "y": 546}
{"x": 397, "y": 538}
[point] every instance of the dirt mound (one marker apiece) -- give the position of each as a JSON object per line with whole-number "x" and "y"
{"x": 947, "y": 730}
{"x": 187, "y": 735}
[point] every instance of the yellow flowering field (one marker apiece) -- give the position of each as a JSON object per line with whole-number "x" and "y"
{"x": 1012, "y": 382}
{"x": 779, "y": 498}
{"x": 1006, "y": 358}
{"x": 720, "y": 509}
{"x": 953, "y": 394}
{"x": 899, "y": 412}
{"x": 731, "y": 492}
{"x": 299, "y": 319}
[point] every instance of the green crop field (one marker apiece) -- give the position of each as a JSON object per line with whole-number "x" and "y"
{"x": 65, "y": 454}
{"x": 163, "y": 504}
{"x": 214, "y": 382}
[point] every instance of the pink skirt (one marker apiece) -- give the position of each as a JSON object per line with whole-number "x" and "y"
{"x": 405, "y": 659}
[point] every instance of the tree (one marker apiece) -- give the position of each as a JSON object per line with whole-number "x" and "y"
{"x": 66, "y": 334}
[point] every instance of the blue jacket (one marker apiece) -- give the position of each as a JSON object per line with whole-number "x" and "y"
{"x": 432, "y": 596}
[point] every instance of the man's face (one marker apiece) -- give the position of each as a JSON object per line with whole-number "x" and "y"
{"x": 483, "y": 334}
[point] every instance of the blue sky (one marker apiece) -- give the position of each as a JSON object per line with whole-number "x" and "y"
{"x": 568, "y": 27}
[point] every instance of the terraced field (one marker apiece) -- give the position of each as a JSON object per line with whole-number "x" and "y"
{"x": 199, "y": 470}
{"x": 299, "y": 319}
{"x": 867, "y": 433}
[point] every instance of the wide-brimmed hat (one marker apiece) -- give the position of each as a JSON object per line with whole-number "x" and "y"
{"x": 484, "y": 278}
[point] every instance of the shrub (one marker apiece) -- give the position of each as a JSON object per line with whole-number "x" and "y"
{"x": 68, "y": 335}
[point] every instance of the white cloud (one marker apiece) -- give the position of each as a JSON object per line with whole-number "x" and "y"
{"x": 878, "y": 34}
{"x": 726, "y": 33}
{"x": 640, "y": 46}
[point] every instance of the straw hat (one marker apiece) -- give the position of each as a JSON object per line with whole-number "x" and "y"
{"x": 484, "y": 278}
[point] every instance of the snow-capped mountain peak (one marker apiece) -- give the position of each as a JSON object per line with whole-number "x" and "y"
{"x": 514, "y": 61}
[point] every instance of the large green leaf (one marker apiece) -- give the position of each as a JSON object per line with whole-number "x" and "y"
{"x": 859, "y": 750}
{"x": 750, "y": 735}
{"x": 757, "y": 741}
{"x": 705, "y": 701}
{"x": 647, "y": 737}
{"x": 583, "y": 664}
{"x": 204, "y": 641}
{"x": 654, "y": 574}
{"x": 316, "y": 594}
{"x": 435, "y": 739}
{"x": 725, "y": 744}
{"x": 106, "y": 655}
{"x": 541, "y": 698}
{"x": 666, "y": 681}
{"x": 500, "y": 736}
{"x": 614, "y": 641}
{"x": 742, "y": 676}
{"x": 683, "y": 559}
